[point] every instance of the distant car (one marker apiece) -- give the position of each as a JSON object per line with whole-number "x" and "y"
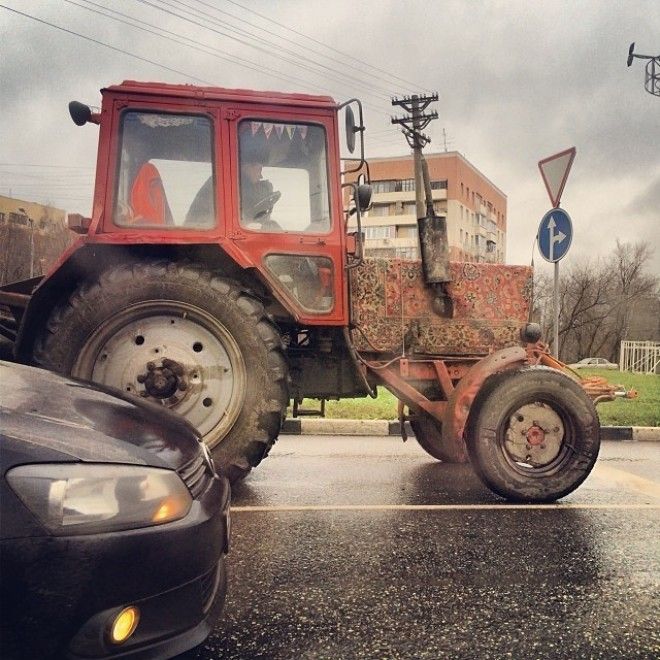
{"x": 594, "y": 363}
{"x": 115, "y": 525}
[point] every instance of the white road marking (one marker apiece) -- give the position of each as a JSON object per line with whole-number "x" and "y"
{"x": 627, "y": 480}
{"x": 436, "y": 507}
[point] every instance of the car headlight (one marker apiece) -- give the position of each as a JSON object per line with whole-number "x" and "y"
{"x": 87, "y": 498}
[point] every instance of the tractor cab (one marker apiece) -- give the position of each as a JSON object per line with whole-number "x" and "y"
{"x": 256, "y": 174}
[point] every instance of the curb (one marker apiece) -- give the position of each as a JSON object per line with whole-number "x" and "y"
{"x": 380, "y": 427}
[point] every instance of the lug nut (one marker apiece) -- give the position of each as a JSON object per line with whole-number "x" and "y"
{"x": 151, "y": 366}
{"x": 141, "y": 378}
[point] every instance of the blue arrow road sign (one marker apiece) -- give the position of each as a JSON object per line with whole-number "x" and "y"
{"x": 555, "y": 235}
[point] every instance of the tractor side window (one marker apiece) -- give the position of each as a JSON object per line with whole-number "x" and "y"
{"x": 165, "y": 175}
{"x": 283, "y": 180}
{"x": 308, "y": 279}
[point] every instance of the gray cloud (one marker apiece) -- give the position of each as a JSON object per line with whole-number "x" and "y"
{"x": 517, "y": 81}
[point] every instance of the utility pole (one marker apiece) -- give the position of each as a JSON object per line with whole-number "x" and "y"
{"x": 433, "y": 240}
{"x": 412, "y": 128}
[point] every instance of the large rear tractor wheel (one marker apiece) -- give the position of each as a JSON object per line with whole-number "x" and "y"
{"x": 185, "y": 338}
{"x": 533, "y": 434}
{"x": 428, "y": 432}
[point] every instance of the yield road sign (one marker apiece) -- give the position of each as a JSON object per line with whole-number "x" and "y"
{"x": 555, "y": 235}
{"x": 554, "y": 171}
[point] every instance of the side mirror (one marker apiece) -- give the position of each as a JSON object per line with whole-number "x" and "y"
{"x": 630, "y": 53}
{"x": 351, "y": 129}
{"x": 80, "y": 113}
{"x": 363, "y": 196}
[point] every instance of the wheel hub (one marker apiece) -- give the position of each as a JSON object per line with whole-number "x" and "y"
{"x": 535, "y": 435}
{"x": 164, "y": 380}
{"x": 172, "y": 354}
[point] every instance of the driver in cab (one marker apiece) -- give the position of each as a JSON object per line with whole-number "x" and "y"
{"x": 257, "y": 195}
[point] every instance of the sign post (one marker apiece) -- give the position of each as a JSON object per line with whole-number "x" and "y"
{"x": 555, "y": 232}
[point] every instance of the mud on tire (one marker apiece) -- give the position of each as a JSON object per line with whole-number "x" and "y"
{"x": 533, "y": 434}
{"x": 183, "y": 336}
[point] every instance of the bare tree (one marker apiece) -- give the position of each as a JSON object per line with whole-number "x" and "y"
{"x": 598, "y": 298}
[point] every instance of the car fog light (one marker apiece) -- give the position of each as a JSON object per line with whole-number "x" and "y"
{"x": 124, "y": 624}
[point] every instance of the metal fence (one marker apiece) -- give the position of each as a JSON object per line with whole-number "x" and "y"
{"x": 642, "y": 357}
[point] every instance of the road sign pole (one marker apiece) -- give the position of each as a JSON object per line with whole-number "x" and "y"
{"x": 556, "y": 312}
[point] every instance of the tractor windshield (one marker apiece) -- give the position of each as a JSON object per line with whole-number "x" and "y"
{"x": 283, "y": 178}
{"x": 165, "y": 172}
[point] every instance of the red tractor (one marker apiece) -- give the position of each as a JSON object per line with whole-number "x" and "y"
{"x": 217, "y": 276}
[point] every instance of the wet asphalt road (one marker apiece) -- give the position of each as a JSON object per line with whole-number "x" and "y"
{"x": 367, "y": 548}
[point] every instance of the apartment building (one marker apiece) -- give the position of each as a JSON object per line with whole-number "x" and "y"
{"x": 475, "y": 209}
{"x": 32, "y": 238}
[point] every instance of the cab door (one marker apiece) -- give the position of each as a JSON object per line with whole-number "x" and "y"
{"x": 285, "y": 207}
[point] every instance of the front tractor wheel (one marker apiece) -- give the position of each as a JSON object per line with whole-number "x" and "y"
{"x": 533, "y": 434}
{"x": 185, "y": 338}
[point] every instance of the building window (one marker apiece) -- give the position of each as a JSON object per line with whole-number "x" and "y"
{"x": 393, "y": 185}
{"x": 379, "y": 210}
{"x": 382, "y": 253}
{"x": 407, "y": 253}
{"x": 439, "y": 185}
{"x": 382, "y": 231}
{"x": 406, "y": 232}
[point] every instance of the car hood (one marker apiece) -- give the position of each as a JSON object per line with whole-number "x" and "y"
{"x": 58, "y": 418}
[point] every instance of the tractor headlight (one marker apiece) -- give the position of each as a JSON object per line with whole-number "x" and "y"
{"x": 78, "y": 498}
{"x": 531, "y": 333}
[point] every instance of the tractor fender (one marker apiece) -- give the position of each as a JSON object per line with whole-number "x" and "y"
{"x": 59, "y": 282}
{"x": 461, "y": 399}
{"x": 82, "y": 262}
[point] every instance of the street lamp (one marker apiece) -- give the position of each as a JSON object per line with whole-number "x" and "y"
{"x": 652, "y": 81}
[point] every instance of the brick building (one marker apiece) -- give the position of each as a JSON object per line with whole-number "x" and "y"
{"x": 474, "y": 207}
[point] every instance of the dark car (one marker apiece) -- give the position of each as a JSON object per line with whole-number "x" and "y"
{"x": 114, "y": 525}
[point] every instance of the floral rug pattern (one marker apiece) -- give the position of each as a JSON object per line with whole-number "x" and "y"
{"x": 392, "y": 305}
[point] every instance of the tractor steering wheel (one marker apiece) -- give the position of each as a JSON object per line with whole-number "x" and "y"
{"x": 264, "y": 207}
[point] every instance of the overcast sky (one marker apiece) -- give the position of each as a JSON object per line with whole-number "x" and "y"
{"x": 517, "y": 81}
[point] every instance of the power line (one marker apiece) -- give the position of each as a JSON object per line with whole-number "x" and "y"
{"x": 67, "y": 167}
{"x": 320, "y": 43}
{"x": 381, "y": 95}
{"x": 181, "y": 40}
{"x": 127, "y": 53}
{"x": 105, "y": 45}
{"x": 363, "y": 82}
{"x": 344, "y": 64}
{"x": 233, "y": 59}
